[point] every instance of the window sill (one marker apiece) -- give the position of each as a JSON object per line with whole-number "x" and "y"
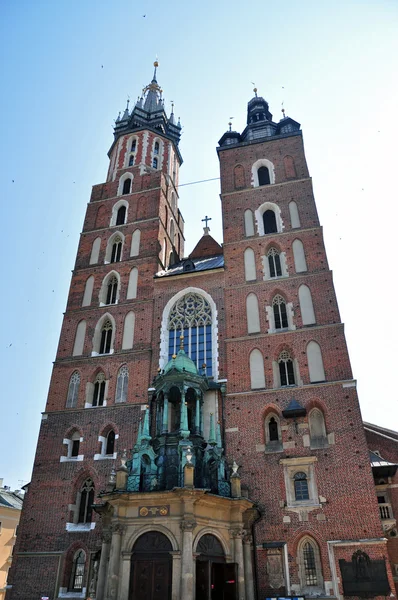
{"x": 111, "y": 351}
{"x": 304, "y": 504}
{"x": 273, "y": 448}
{"x": 71, "y": 458}
{"x": 79, "y": 527}
{"x": 105, "y": 456}
{"x": 88, "y": 405}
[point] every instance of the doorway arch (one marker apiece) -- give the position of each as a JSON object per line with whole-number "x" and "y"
{"x": 215, "y": 579}
{"x": 151, "y": 567}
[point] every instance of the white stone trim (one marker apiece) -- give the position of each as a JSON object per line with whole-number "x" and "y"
{"x": 290, "y": 467}
{"x": 128, "y": 152}
{"x": 262, "y": 162}
{"x": 258, "y": 214}
{"x": 164, "y": 340}
{"x": 108, "y": 251}
{"x": 74, "y": 527}
{"x": 271, "y": 319}
{"x": 103, "y": 290}
{"x": 97, "y": 335}
{"x": 102, "y": 456}
{"x": 63, "y": 593}
{"x": 284, "y": 268}
{"x": 122, "y": 179}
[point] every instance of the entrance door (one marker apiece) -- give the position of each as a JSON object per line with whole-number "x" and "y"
{"x": 216, "y": 580}
{"x": 151, "y": 579}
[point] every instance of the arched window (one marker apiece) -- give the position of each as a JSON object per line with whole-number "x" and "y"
{"x": 77, "y": 572}
{"x": 257, "y": 376}
{"x": 300, "y": 263}
{"x": 274, "y": 263}
{"x": 156, "y": 148}
{"x": 126, "y": 186}
{"x": 128, "y": 331}
{"x": 122, "y": 384}
{"x": 252, "y": 314}
{"x": 73, "y": 390}
{"x": 133, "y": 282}
{"x": 286, "y": 369}
{"x": 306, "y": 306}
{"x": 106, "y": 338}
{"x": 269, "y": 220}
{"x": 294, "y": 215}
{"x": 280, "y": 314}
{"x": 135, "y": 243}
{"x": 191, "y": 317}
{"x": 111, "y": 290}
{"x": 86, "y": 502}
{"x": 95, "y": 251}
{"x": 79, "y": 339}
{"x": 133, "y": 145}
{"x": 110, "y": 443}
{"x": 310, "y": 569}
{"x": 116, "y": 249}
{"x": 263, "y": 176}
{"x": 315, "y": 362}
{"x": 316, "y": 422}
{"x": 88, "y": 291}
{"x": 121, "y": 216}
{"x": 301, "y": 486}
{"x": 250, "y": 265}
{"x": 249, "y": 223}
{"x": 155, "y": 163}
{"x": 99, "y": 390}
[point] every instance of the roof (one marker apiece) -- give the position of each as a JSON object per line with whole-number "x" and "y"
{"x": 181, "y": 363}
{"x": 378, "y": 461}
{"x": 10, "y": 499}
{"x": 199, "y": 264}
{"x": 381, "y": 430}
{"x": 207, "y": 246}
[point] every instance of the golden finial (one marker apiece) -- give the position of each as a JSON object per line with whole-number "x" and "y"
{"x": 255, "y": 91}
{"x": 230, "y": 125}
{"x": 181, "y": 342}
{"x": 174, "y": 356}
{"x": 156, "y": 63}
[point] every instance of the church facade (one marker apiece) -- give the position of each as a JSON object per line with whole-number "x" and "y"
{"x": 202, "y": 437}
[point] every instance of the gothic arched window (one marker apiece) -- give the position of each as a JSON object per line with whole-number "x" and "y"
{"x": 110, "y": 443}
{"x": 116, "y": 249}
{"x": 286, "y": 369}
{"x": 301, "y": 486}
{"x": 274, "y": 262}
{"x": 126, "y": 186}
{"x": 111, "y": 291}
{"x": 269, "y": 220}
{"x": 86, "y": 501}
{"x": 191, "y": 317}
{"x": 77, "y": 573}
{"x": 263, "y": 176}
{"x": 73, "y": 390}
{"x": 122, "y": 384}
{"x": 309, "y": 564}
{"x": 121, "y": 216}
{"x": 280, "y": 314}
{"x": 99, "y": 390}
{"x": 106, "y": 338}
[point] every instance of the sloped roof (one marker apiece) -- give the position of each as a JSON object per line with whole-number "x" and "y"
{"x": 202, "y": 264}
{"x": 207, "y": 246}
{"x": 381, "y": 430}
{"x": 10, "y": 499}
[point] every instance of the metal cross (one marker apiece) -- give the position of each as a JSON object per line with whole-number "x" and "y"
{"x": 206, "y": 219}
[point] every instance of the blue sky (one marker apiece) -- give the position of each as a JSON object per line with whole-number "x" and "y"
{"x": 67, "y": 68}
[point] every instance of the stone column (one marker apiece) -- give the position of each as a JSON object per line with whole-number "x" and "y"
{"x": 165, "y": 426}
{"x": 103, "y": 566}
{"x": 197, "y": 414}
{"x": 187, "y": 566}
{"x": 237, "y": 534}
{"x": 114, "y": 561}
{"x": 248, "y": 562}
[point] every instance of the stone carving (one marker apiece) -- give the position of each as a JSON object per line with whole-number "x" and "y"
{"x": 94, "y": 578}
{"x": 364, "y": 577}
{"x": 188, "y": 525}
{"x": 275, "y": 568}
{"x": 238, "y": 532}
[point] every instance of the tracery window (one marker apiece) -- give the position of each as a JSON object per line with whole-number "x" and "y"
{"x": 280, "y": 314}
{"x": 106, "y": 338}
{"x": 191, "y": 317}
{"x": 286, "y": 369}
{"x": 73, "y": 390}
{"x": 122, "y": 384}
{"x": 77, "y": 573}
{"x": 86, "y": 501}
{"x": 111, "y": 292}
{"x": 274, "y": 262}
{"x": 116, "y": 249}
{"x": 301, "y": 486}
{"x": 99, "y": 390}
{"x": 309, "y": 565}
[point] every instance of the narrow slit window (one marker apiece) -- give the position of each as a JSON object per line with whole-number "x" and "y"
{"x": 110, "y": 443}
{"x": 155, "y": 163}
{"x": 273, "y": 430}
{"x": 86, "y": 502}
{"x": 77, "y": 576}
{"x": 75, "y": 448}
{"x": 131, "y": 160}
{"x": 156, "y": 148}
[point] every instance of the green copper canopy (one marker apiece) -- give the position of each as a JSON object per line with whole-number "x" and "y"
{"x": 181, "y": 363}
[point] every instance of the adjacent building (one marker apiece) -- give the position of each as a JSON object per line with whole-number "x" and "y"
{"x": 10, "y": 512}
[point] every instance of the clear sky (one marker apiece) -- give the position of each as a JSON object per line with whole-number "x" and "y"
{"x": 66, "y": 70}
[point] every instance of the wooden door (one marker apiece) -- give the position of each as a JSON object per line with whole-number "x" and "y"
{"x": 151, "y": 579}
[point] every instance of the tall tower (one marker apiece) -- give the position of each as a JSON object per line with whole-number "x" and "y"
{"x": 292, "y": 412}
